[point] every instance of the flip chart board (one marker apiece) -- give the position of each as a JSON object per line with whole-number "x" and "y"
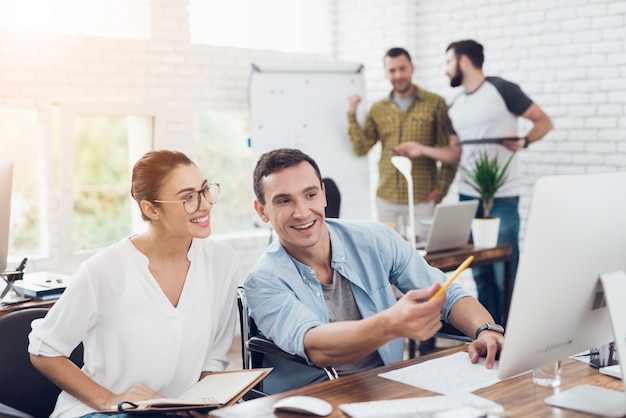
{"x": 305, "y": 106}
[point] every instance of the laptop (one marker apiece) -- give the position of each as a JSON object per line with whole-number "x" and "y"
{"x": 451, "y": 225}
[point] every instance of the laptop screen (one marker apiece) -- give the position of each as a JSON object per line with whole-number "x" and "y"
{"x": 451, "y": 225}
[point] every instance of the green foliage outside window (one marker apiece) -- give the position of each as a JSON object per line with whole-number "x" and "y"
{"x": 101, "y": 182}
{"x": 224, "y": 156}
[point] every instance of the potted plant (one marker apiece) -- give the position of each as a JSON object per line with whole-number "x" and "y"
{"x": 486, "y": 177}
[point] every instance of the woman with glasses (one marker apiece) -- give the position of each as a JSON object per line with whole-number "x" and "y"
{"x": 155, "y": 312}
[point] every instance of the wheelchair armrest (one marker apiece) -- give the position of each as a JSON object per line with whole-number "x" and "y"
{"x": 265, "y": 346}
{"x": 451, "y": 333}
{"x": 252, "y": 394}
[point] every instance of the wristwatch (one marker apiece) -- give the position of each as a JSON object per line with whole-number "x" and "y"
{"x": 526, "y": 142}
{"x": 491, "y": 327}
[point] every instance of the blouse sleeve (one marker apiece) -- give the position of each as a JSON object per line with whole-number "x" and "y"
{"x": 66, "y": 324}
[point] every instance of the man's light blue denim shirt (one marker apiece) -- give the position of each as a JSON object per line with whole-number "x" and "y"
{"x": 286, "y": 300}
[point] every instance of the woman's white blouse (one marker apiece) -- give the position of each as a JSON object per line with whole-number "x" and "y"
{"x": 131, "y": 332}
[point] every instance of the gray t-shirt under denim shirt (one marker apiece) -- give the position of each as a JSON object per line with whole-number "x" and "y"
{"x": 342, "y": 307}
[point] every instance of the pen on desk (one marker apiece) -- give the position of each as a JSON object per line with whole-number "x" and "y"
{"x": 456, "y": 273}
{"x": 22, "y": 265}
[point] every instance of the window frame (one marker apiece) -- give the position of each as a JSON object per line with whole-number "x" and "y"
{"x": 68, "y": 112}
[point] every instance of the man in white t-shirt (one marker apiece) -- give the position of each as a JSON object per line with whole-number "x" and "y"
{"x": 489, "y": 108}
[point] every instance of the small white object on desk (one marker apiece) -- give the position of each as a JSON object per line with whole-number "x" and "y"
{"x": 305, "y": 405}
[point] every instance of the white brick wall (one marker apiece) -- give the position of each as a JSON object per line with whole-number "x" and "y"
{"x": 569, "y": 56}
{"x": 37, "y": 70}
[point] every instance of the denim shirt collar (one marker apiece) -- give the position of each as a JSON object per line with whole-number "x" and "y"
{"x": 339, "y": 258}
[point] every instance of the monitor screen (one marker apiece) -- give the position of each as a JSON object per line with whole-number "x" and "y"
{"x": 6, "y": 183}
{"x": 576, "y": 232}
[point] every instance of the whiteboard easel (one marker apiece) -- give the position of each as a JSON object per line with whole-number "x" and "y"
{"x": 305, "y": 106}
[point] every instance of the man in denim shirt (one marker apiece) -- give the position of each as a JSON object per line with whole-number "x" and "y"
{"x": 324, "y": 292}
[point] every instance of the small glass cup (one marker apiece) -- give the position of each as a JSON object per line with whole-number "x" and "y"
{"x": 548, "y": 375}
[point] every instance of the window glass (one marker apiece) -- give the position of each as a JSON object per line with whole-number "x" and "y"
{"x": 301, "y": 26}
{"x": 61, "y": 206}
{"x": 102, "y": 213}
{"x": 21, "y": 141}
{"x": 224, "y": 156}
{"x": 130, "y": 19}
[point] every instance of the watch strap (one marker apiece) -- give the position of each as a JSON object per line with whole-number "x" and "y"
{"x": 489, "y": 326}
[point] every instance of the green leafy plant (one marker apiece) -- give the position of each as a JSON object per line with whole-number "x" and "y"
{"x": 486, "y": 177}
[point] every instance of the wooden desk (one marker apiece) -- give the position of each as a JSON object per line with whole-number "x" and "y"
{"x": 451, "y": 259}
{"x": 519, "y": 396}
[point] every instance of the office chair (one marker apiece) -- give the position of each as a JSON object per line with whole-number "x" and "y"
{"x": 23, "y": 387}
{"x": 333, "y": 198}
{"x": 290, "y": 371}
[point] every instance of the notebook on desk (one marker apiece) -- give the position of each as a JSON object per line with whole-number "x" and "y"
{"x": 450, "y": 227}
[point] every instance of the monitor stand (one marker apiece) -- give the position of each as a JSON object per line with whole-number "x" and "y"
{"x": 595, "y": 399}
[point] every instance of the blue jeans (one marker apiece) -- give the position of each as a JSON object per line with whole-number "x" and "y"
{"x": 490, "y": 279}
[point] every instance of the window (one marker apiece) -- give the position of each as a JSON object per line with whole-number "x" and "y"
{"x": 224, "y": 156}
{"x": 102, "y": 204}
{"x": 301, "y": 26}
{"x": 130, "y": 19}
{"x": 99, "y": 144}
{"x": 21, "y": 141}
{"x": 71, "y": 183}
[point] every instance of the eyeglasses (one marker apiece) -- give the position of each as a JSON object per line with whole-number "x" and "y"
{"x": 191, "y": 202}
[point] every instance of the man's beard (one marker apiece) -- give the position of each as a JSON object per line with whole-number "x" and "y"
{"x": 458, "y": 77}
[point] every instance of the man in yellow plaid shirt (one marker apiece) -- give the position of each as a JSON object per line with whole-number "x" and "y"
{"x": 411, "y": 122}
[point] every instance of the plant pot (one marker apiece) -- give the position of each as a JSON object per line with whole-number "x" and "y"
{"x": 485, "y": 232}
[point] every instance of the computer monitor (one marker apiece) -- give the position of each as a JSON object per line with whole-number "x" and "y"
{"x": 6, "y": 183}
{"x": 576, "y": 233}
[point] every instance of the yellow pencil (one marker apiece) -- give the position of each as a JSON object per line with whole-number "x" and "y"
{"x": 456, "y": 273}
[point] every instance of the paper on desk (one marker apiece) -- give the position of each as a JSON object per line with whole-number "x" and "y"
{"x": 583, "y": 356}
{"x": 447, "y": 375}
